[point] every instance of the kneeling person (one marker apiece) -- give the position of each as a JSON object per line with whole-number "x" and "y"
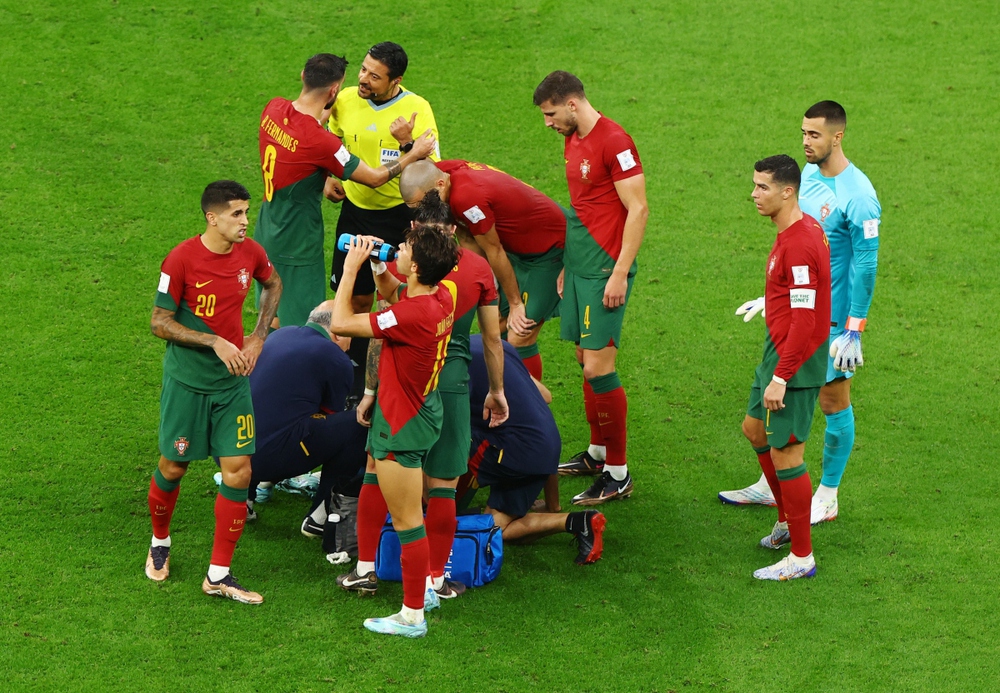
{"x": 516, "y": 459}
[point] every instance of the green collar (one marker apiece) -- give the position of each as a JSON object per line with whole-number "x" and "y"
{"x": 319, "y": 328}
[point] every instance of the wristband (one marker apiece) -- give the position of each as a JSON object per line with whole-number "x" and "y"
{"x": 379, "y": 268}
{"x": 369, "y": 392}
{"x": 405, "y": 148}
{"x": 780, "y": 381}
{"x": 856, "y": 324}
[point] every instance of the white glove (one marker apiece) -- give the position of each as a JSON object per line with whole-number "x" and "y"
{"x": 749, "y": 309}
{"x": 845, "y": 351}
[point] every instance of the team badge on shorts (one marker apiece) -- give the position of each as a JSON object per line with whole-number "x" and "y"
{"x": 243, "y": 277}
{"x": 584, "y": 168}
{"x": 181, "y": 445}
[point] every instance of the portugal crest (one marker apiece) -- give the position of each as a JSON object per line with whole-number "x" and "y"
{"x": 181, "y": 445}
{"x": 824, "y": 212}
{"x": 243, "y": 278}
{"x": 770, "y": 265}
{"x": 584, "y": 168}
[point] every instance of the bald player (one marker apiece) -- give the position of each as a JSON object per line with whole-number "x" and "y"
{"x": 520, "y": 230}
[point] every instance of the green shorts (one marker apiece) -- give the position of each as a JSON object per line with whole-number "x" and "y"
{"x": 303, "y": 287}
{"x": 585, "y": 320}
{"x": 449, "y": 458}
{"x": 789, "y": 425}
{"x": 194, "y": 426}
{"x": 410, "y": 445}
{"x": 536, "y": 278}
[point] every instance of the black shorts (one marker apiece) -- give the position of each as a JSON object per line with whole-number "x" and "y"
{"x": 511, "y": 492}
{"x": 334, "y": 441}
{"x": 390, "y": 225}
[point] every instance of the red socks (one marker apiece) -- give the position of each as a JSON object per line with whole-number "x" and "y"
{"x": 440, "y": 522}
{"x": 767, "y": 466}
{"x": 414, "y": 562}
{"x": 371, "y": 516}
{"x": 612, "y": 411}
{"x": 534, "y": 365}
{"x": 797, "y": 496}
{"x": 161, "y": 504}
{"x": 230, "y": 518}
{"x": 590, "y": 406}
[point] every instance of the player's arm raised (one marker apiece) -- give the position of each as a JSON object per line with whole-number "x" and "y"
{"x": 495, "y": 406}
{"x": 497, "y": 257}
{"x": 632, "y": 193}
{"x": 344, "y": 320}
{"x": 374, "y": 177}
{"x": 270, "y": 296}
{"x": 165, "y": 327}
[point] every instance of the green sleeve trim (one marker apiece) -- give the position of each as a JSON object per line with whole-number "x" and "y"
{"x": 350, "y": 167}
{"x": 793, "y": 473}
{"x": 165, "y": 301}
{"x": 441, "y": 492}
{"x": 408, "y": 536}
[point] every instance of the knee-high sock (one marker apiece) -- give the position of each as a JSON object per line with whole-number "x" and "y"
{"x": 230, "y": 519}
{"x": 162, "y": 499}
{"x": 796, "y": 492}
{"x": 767, "y": 466}
{"x": 371, "y": 516}
{"x": 590, "y": 406}
{"x": 612, "y": 412}
{"x": 838, "y": 445}
{"x": 531, "y": 359}
{"x": 414, "y": 561}
{"x": 441, "y": 523}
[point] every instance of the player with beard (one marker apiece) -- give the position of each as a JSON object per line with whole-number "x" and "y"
{"x": 607, "y": 189}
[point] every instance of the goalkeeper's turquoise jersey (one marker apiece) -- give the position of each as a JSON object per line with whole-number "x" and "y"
{"x": 848, "y": 209}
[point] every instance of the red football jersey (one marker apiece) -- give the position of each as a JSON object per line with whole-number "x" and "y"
{"x": 416, "y": 333}
{"x": 797, "y": 294}
{"x": 211, "y": 287}
{"x": 593, "y": 164}
{"x": 527, "y": 221}
{"x": 294, "y": 145}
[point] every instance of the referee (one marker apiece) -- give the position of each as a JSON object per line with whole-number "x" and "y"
{"x": 376, "y": 121}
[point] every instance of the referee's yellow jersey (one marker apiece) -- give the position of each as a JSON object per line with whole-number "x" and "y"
{"x": 364, "y": 128}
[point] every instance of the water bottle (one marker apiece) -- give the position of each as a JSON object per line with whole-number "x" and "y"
{"x": 382, "y": 251}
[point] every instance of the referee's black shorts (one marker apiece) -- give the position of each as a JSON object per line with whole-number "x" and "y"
{"x": 390, "y": 225}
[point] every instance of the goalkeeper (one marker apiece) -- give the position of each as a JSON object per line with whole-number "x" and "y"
{"x": 836, "y": 193}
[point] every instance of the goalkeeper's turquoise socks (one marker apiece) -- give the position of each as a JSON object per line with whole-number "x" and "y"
{"x": 838, "y": 445}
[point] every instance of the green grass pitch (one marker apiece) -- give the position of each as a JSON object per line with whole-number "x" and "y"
{"x": 115, "y": 114}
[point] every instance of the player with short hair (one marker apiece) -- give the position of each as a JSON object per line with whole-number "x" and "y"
{"x": 520, "y": 230}
{"x": 205, "y": 407}
{"x": 407, "y": 418}
{"x": 472, "y": 286}
{"x": 297, "y": 155}
{"x": 793, "y": 368}
{"x": 376, "y": 120}
{"x": 836, "y": 193}
{"x": 515, "y": 460}
{"x": 299, "y": 388}
{"x": 607, "y": 188}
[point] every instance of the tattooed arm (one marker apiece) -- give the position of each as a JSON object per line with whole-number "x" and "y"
{"x": 165, "y": 327}
{"x": 367, "y": 404}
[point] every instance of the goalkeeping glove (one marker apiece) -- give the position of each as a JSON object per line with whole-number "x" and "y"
{"x": 845, "y": 350}
{"x": 749, "y": 309}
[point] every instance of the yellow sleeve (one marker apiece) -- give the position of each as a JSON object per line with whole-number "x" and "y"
{"x": 425, "y": 119}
